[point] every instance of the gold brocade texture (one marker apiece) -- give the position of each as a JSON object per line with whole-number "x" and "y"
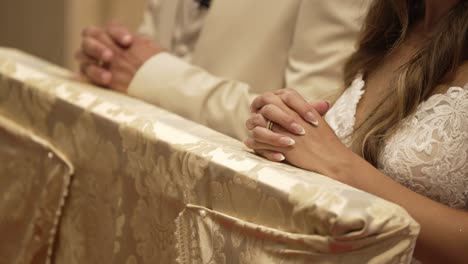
{"x": 151, "y": 187}
{"x": 34, "y": 181}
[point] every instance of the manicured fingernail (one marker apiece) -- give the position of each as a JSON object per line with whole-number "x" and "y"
{"x": 328, "y": 102}
{"x": 106, "y": 55}
{"x": 279, "y": 157}
{"x": 297, "y": 129}
{"x": 311, "y": 118}
{"x": 287, "y": 141}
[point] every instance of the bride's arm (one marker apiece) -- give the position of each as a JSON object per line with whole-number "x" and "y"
{"x": 444, "y": 231}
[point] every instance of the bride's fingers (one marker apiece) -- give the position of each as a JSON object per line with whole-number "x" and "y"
{"x": 265, "y": 99}
{"x": 306, "y": 110}
{"x": 321, "y": 107}
{"x": 263, "y": 135}
{"x": 257, "y": 145}
{"x": 281, "y": 118}
{"x": 257, "y": 127}
{"x": 271, "y": 155}
{"x": 254, "y": 121}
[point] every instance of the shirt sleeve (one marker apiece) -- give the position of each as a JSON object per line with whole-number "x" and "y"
{"x": 191, "y": 92}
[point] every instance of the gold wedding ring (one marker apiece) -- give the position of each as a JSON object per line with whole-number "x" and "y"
{"x": 270, "y": 125}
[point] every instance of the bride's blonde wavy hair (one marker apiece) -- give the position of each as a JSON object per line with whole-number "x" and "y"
{"x": 385, "y": 27}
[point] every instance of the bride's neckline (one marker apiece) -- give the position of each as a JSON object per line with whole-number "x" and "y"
{"x": 359, "y": 85}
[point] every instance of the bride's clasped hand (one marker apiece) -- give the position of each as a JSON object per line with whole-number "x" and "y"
{"x": 298, "y": 134}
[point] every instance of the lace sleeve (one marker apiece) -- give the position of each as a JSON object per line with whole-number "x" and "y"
{"x": 429, "y": 153}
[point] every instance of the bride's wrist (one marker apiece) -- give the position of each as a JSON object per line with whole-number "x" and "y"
{"x": 347, "y": 168}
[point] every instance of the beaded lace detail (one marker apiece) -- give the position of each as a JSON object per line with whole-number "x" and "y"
{"x": 429, "y": 152}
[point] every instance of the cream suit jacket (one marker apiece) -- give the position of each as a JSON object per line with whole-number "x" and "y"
{"x": 174, "y": 24}
{"x": 247, "y": 47}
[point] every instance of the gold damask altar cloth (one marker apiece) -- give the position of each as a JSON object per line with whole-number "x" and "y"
{"x": 92, "y": 176}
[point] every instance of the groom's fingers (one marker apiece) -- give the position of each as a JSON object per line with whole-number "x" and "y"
{"x": 107, "y": 46}
{"x": 83, "y": 58}
{"x": 96, "y": 74}
{"x": 92, "y": 71}
{"x": 96, "y": 50}
{"x": 120, "y": 34}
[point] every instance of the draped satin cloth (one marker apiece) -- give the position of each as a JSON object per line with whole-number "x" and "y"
{"x": 92, "y": 176}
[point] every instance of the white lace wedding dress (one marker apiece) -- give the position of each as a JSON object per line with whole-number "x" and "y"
{"x": 429, "y": 152}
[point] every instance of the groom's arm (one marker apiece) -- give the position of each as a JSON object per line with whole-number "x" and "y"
{"x": 324, "y": 37}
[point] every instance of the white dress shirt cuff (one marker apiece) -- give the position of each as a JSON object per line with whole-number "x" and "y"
{"x": 189, "y": 91}
{"x": 157, "y": 74}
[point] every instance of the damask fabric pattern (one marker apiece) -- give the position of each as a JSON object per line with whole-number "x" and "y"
{"x": 151, "y": 187}
{"x": 34, "y": 178}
